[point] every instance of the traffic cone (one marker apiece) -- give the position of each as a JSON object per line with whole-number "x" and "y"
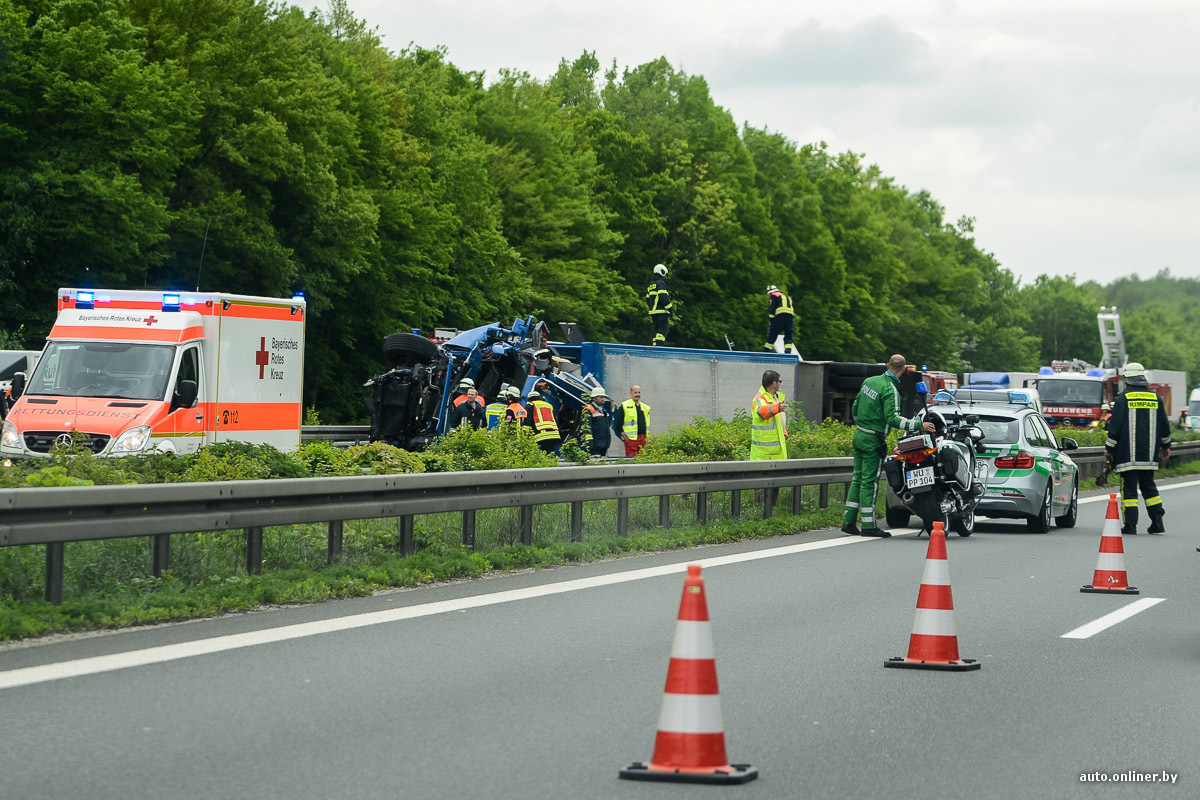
{"x": 934, "y": 644}
{"x": 1110, "y": 577}
{"x": 690, "y": 746}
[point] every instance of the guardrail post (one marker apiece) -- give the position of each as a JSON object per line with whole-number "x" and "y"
{"x": 336, "y": 527}
{"x": 664, "y": 511}
{"x": 769, "y": 502}
{"x": 622, "y": 516}
{"x": 468, "y": 537}
{"x": 823, "y": 497}
{"x": 254, "y": 538}
{"x": 701, "y": 508}
{"x": 405, "y": 539}
{"x": 797, "y": 500}
{"x": 577, "y": 521}
{"x": 54, "y": 572}
{"x": 160, "y": 560}
{"x": 735, "y": 504}
{"x": 527, "y": 525}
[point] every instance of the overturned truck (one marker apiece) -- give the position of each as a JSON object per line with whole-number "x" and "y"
{"x": 409, "y": 404}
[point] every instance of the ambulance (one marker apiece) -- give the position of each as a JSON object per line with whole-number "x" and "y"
{"x": 128, "y": 372}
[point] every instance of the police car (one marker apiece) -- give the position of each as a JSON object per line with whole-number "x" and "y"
{"x": 1030, "y": 476}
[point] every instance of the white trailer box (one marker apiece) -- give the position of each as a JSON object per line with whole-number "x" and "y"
{"x": 133, "y": 371}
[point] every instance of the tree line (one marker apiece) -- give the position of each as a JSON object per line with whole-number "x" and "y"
{"x": 257, "y": 148}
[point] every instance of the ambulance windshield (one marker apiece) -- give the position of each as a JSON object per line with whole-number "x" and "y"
{"x": 103, "y": 369}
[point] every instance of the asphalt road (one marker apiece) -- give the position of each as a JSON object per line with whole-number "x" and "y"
{"x": 543, "y": 685}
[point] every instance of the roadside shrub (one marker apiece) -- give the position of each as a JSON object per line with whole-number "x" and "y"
{"x": 702, "y": 439}
{"x": 274, "y": 462}
{"x": 381, "y": 459}
{"x": 506, "y": 447}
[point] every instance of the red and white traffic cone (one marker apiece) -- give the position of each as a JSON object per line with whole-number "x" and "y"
{"x": 1110, "y": 576}
{"x": 690, "y": 746}
{"x": 934, "y": 643}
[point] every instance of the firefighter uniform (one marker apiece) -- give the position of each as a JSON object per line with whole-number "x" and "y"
{"x": 876, "y": 412}
{"x": 768, "y": 422}
{"x": 661, "y": 308}
{"x": 781, "y": 320}
{"x": 541, "y": 419}
{"x": 1139, "y": 436}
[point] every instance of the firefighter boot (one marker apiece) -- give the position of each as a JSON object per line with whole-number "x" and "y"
{"x": 1156, "y": 523}
{"x": 850, "y": 529}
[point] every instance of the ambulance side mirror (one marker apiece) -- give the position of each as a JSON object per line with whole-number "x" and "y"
{"x": 185, "y": 395}
{"x": 17, "y": 385}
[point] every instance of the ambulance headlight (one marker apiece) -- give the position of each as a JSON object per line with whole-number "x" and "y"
{"x": 133, "y": 440}
{"x": 10, "y": 437}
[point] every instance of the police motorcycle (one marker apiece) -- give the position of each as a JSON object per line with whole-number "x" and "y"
{"x": 937, "y": 476}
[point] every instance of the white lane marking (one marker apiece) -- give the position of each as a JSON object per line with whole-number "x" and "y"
{"x": 217, "y": 644}
{"x": 1108, "y": 620}
{"x": 1101, "y": 497}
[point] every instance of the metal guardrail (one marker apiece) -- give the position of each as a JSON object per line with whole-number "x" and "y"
{"x": 54, "y": 516}
{"x": 339, "y": 435}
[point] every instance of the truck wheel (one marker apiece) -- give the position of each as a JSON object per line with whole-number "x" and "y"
{"x": 403, "y": 347}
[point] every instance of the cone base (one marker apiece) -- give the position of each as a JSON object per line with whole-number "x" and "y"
{"x": 735, "y": 773}
{"x": 947, "y": 666}
{"x": 1090, "y": 589}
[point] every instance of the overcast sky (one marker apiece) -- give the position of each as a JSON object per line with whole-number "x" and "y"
{"x": 1069, "y": 130}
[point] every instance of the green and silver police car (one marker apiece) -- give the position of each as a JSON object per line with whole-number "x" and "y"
{"x": 1030, "y": 476}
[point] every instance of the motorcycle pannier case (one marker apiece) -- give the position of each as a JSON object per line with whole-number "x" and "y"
{"x": 893, "y": 468}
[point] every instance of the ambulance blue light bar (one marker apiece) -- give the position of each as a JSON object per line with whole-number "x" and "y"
{"x": 1096, "y": 373}
{"x": 1019, "y": 398}
{"x": 85, "y": 299}
{"x": 170, "y": 302}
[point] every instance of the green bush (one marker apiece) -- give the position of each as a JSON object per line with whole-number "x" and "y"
{"x": 705, "y": 439}
{"x": 506, "y": 447}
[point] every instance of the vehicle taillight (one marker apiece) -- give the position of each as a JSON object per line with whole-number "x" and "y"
{"x": 1021, "y": 460}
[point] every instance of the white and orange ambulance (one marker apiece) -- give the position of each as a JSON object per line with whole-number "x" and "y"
{"x": 132, "y": 371}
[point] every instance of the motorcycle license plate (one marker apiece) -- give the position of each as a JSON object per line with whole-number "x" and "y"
{"x": 920, "y": 477}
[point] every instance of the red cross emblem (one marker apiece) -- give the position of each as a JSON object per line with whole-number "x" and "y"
{"x": 150, "y": 320}
{"x": 261, "y": 357}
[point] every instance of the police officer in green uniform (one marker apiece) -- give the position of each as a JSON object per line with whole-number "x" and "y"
{"x": 876, "y": 412}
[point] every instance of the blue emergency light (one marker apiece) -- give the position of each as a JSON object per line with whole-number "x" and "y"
{"x": 1019, "y": 398}
{"x": 170, "y": 302}
{"x": 1096, "y": 373}
{"x": 85, "y": 299}
{"x": 1046, "y": 371}
{"x": 298, "y": 296}
{"x": 922, "y": 388}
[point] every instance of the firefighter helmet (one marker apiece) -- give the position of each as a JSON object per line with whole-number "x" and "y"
{"x": 660, "y": 270}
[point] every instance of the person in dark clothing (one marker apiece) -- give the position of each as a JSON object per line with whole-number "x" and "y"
{"x": 1139, "y": 438}
{"x": 468, "y": 413}
{"x": 597, "y": 432}
{"x": 660, "y": 305}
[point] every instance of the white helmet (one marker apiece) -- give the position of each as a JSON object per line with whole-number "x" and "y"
{"x": 598, "y": 391}
{"x": 660, "y": 269}
{"x": 772, "y": 288}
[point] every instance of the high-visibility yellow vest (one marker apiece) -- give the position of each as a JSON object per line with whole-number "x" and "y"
{"x": 629, "y": 424}
{"x": 766, "y": 435}
{"x": 544, "y": 426}
{"x": 494, "y": 414}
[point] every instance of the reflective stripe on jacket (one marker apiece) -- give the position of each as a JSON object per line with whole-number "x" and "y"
{"x": 767, "y": 424}
{"x": 658, "y": 299}
{"x": 1138, "y": 429}
{"x": 780, "y": 303}
{"x": 542, "y": 415}
{"x": 629, "y": 424}
{"x": 495, "y": 414}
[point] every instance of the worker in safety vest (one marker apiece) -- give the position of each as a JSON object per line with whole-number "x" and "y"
{"x": 597, "y": 426}
{"x": 768, "y": 420}
{"x": 876, "y": 412}
{"x": 515, "y": 411}
{"x": 632, "y": 422}
{"x": 661, "y": 308}
{"x": 541, "y": 420}
{"x": 781, "y": 320}
{"x": 493, "y": 413}
{"x": 1139, "y": 437}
